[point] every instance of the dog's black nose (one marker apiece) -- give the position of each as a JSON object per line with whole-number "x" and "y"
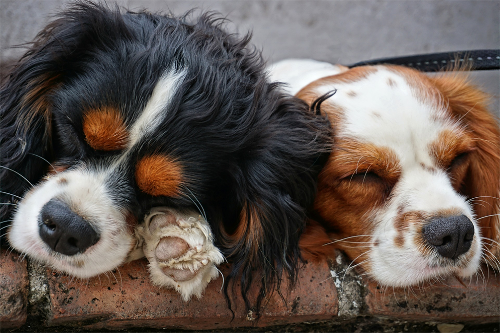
{"x": 63, "y": 230}
{"x": 450, "y": 236}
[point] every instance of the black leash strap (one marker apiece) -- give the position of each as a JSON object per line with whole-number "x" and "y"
{"x": 434, "y": 62}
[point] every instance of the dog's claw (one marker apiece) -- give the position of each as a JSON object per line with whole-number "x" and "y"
{"x": 180, "y": 251}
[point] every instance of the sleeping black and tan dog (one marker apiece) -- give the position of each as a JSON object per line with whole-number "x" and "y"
{"x": 130, "y": 132}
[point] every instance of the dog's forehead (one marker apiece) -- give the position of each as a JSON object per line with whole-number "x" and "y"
{"x": 389, "y": 108}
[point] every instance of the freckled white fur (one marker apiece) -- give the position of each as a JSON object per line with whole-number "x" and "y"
{"x": 396, "y": 117}
{"x": 85, "y": 192}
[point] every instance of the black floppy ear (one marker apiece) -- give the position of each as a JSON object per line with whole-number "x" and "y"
{"x": 275, "y": 189}
{"x": 26, "y": 133}
{"x": 25, "y": 126}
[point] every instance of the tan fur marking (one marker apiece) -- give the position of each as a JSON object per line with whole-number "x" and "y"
{"x": 344, "y": 204}
{"x": 159, "y": 175}
{"x": 105, "y": 129}
{"x": 37, "y": 102}
{"x": 402, "y": 223}
{"x": 468, "y": 105}
{"x": 448, "y": 145}
{"x": 54, "y": 169}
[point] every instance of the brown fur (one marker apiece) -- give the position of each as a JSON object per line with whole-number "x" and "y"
{"x": 482, "y": 180}
{"x": 249, "y": 229}
{"x": 105, "y": 129}
{"x": 37, "y": 103}
{"x": 159, "y": 175}
{"x": 342, "y": 205}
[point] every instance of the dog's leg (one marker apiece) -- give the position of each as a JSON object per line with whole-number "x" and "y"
{"x": 180, "y": 251}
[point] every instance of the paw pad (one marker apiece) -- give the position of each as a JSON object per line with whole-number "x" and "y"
{"x": 180, "y": 251}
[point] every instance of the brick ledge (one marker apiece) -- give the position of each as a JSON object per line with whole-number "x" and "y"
{"x": 323, "y": 299}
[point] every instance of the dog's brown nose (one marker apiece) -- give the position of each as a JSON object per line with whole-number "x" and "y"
{"x": 65, "y": 231}
{"x": 451, "y": 236}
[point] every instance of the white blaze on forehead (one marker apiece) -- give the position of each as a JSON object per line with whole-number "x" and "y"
{"x": 86, "y": 193}
{"x": 384, "y": 109}
{"x": 153, "y": 114}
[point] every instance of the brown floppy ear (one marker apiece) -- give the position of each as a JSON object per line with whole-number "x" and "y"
{"x": 482, "y": 184}
{"x": 315, "y": 245}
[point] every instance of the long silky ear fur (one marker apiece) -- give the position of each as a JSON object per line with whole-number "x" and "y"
{"x": 482, "y": 185}
{"x": 25, "y": 98}
{"x": 274, "y": 190}
{"x": 25, "y": 127}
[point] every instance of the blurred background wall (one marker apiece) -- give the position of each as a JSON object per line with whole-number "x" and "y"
{"x": 338, "y": 31}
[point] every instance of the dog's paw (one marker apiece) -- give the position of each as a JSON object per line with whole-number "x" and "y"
{"x": 180, "y": 251}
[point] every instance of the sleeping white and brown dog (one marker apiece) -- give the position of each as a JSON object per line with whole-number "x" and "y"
{"x": 410, "y": 190}
{"x": 124, "y": 133}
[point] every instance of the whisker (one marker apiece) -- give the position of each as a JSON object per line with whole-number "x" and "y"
{"x": 198, "y": 204}
{"x": 349, "y": 266}
{"x": 40, "y": 157}
{"x": 483, "y": 217}
{"x": 492, "y": 257}
{"x": 356, "y": 247}
{"x": 5, "y": 227}
{"x": 491, "y": 240}
{"x": 121, "y": 278}
{"x": 11, "y": 194}
{"x": 483, "y": 196}
{"x": 340, "y": 240}
{"x": 17, "y": 173}
{"x": 222, "y": 286}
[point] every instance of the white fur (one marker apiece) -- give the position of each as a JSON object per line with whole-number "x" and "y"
{"x": 202, "y": 256}
{"x": 399, "y": 118}
{"x": 298, "y": 73}
{"x": 84, "y": 190}
{"x": 157, "y": 106}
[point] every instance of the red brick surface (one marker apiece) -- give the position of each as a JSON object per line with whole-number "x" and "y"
{"x": 127, "y": 299}
{"x": 475, "y": 300}
{"x": 13, "y": 290}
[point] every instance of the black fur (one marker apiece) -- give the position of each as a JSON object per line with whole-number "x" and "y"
{"x": 244, "y": 144}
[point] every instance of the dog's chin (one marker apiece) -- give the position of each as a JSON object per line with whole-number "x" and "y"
{"x": 98, "y": 259}
{"x": 407, "y": 269}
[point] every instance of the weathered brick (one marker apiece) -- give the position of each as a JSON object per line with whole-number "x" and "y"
{"x": 474, "y": 300}
{"x": 126, "y": 298}
{"x": 13, "y": 290}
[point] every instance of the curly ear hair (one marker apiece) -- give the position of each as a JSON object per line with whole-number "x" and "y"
{"x": 482, "y": 183}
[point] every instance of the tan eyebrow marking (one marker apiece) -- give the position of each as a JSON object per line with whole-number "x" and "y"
{"x": 105, "y": 129}
{"x": 159, "y": 175}
{"x": 448, "y": 145}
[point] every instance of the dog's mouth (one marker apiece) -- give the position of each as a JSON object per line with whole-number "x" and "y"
{"x": 421, "y": 269}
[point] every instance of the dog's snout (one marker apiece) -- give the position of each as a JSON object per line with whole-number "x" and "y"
{"x": 450, "y": 236}
{"x": 65, "y": 231}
